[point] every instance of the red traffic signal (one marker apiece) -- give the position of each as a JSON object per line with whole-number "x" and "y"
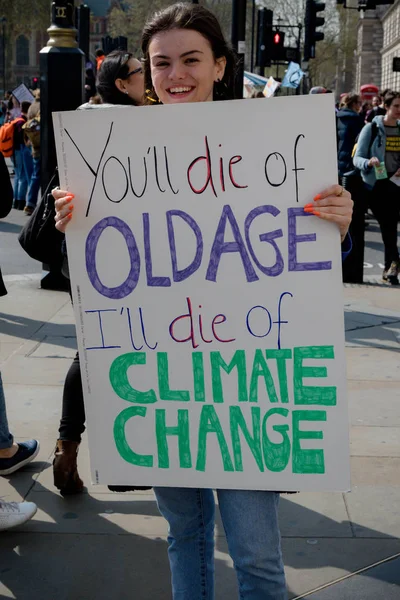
{"x": 277, "y": 38}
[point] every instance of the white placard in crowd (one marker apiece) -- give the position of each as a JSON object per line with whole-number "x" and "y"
{"x": 209, "y": 306}
{"x": 22, "y": 94}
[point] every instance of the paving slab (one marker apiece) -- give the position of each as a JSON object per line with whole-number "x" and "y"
{"x": 372, "y": 470}
{"x": 374, "y": 403}
{"x": 372, "y": 364}
{"x": 374, "y": 510}
{"x": 375, "y": 441}
{"x": 35, "y": 371}
{"x": 310, "y": 563}
{"x": 382, "y": 581}
{"x": 384, "y": 336}
{"x": 314, "y": 515}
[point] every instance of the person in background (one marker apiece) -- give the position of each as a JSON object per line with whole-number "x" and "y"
{"x": 378, "y": 106}
{"x": 349, "y": 123}
{"x": 22, "y": 158}
{"x": 365, "y": 109}
{"x": 100, "y": 56}
{"x": 32, "y": 132}
{"x": 90, "y": 84}
{"x": 119, "y": 82}
{"x": 13, "y": 108}
{"x": 13, "y": 456}
{"x": 378, "y": 158}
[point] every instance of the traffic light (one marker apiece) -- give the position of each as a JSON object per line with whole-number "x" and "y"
{"x": 264, "y": 38}
{"x": 311, "y": 22}
{"x": 35, "y": 83}
{"x": 278, "y": 46}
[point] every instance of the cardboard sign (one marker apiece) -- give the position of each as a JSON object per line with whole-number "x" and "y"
{"x": 208, "y": 304}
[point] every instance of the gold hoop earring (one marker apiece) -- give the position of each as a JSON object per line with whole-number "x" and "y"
{"x": 148, "y": 92}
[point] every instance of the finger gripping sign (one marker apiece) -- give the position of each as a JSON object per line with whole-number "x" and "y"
{"x": 208, "y": 304}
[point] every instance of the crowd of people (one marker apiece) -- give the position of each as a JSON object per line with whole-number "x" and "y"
{"x": 187, "y": 59}
{"x": 369, "y": 167}
{"x": 20, "y": 141}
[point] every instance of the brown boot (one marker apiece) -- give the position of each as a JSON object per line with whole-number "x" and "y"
{"x": 65, "y": 470}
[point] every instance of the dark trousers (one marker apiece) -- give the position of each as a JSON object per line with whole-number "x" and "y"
{"x": 384, "y": 201}
{"x": 353, "y": 266}
{"x": 72, "y": 423}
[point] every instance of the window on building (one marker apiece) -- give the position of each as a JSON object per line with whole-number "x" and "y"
{"x": 22, "y": 50}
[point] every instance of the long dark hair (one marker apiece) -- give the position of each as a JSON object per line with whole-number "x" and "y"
{"x": 389, "y": 97}
{"x": 114, "y": 66}
{"x": 198, "y": 18}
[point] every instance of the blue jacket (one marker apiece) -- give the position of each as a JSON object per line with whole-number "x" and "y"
{"x": 378, "y": 148}
{"x": 348, "y": 124}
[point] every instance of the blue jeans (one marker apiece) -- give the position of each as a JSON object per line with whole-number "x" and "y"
{"x": 250, "y": 520}
{"x": 6, "y": 439}
{"x": 21, "y": 180}
{"x": 34, "y": 186}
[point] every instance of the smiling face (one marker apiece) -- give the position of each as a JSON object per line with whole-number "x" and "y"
{"x": 183, "y": 67}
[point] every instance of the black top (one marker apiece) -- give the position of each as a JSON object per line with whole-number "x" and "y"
{"x": 375, "y": 112}
{"x": 6, "y": 199}
{"x": 349, "y": 124}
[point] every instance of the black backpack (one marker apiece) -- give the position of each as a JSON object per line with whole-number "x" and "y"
{"x": 374, "y": 133}
{"x": 39, "y": 237}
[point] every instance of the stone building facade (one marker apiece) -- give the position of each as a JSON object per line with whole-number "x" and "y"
{"x": 22, "y": 52}
{"x": 391, "y": 47}
{"x": 378, "y": 42}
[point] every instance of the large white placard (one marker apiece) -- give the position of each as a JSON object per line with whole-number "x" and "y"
{"x": 209, "y": 306}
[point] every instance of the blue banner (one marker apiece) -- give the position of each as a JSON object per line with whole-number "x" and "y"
{"x": 293, "y": 76}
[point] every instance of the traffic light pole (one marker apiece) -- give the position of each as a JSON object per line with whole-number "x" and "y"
{"x": 238, "y": 38}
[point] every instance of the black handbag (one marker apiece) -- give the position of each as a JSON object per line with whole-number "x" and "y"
{"x": 39, "y": 237}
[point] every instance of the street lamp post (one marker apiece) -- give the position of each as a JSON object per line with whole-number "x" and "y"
{"x": 62, "y": 84}
{"x": 3, "y": 25}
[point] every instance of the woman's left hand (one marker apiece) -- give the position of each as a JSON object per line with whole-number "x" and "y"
{"x": 333, "y": 204}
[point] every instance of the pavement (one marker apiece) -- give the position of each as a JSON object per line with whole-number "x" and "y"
{"x": 100, "y": 545}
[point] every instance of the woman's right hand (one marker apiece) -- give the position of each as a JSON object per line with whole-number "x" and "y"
{"x": 63, "y": 208}
{"x": 373, "y": 162}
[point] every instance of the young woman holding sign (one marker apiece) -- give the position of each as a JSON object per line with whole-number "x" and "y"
{"x": 186, "y": 59}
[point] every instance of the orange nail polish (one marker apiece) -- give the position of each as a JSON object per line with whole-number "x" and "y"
{"x": 317, "y": 197}
{"x": 69, "y": 198}
{"x": 71, "y": 206}
{"x": 308, "y": 210}
{"x": 316, "y": 213}
{"x": 308, "y": 205}
{"x": 69, "y": 216}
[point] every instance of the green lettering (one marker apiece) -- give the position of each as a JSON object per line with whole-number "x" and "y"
{"x": 120, "y": 382}
{"x": 261, "y": 369}
{"x": 307, "y": 461}
{"x": 276, "y": 456}
{"x": 198, "y": 377}
{"x": 209, "y": 423}
{"x": 125, "y": 451}
{"x": 217, "y": 363}
{"x": 303, "y": 394}
{"x": 254, "y": 441}
{"x": 181, "y": 430}
{"x": 163, "y": 381}
{"x": 281, "y": 357}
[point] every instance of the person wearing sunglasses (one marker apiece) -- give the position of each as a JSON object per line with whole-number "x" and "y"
{"x": 120, "y": 81}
